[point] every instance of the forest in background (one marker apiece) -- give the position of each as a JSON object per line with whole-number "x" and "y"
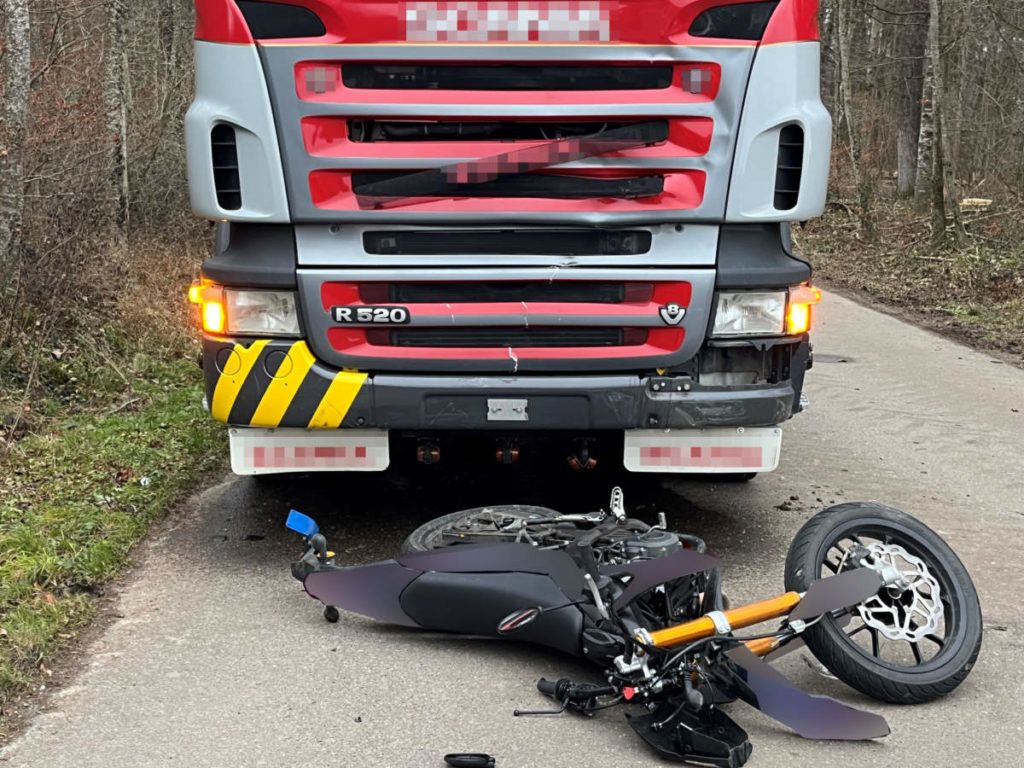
{"x": 97, "y": 241}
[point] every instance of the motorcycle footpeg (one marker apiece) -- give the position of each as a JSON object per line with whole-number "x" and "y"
{"x": 708, "y": 737}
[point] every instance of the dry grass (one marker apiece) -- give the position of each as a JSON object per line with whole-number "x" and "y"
{"x": 974, "y": 291}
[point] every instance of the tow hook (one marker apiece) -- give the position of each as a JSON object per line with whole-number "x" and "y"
{"x": 506, "y": 452}
{"x": 581, "y": 458}
{"x": 428, "y": 452}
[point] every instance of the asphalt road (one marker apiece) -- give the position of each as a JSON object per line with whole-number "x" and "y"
{"x": 220, "y": 659}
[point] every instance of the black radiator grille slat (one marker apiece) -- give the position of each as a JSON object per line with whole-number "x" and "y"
{"x": 499, "y": 337}
{"x": 476, "y": 77}
{"x": 362, "y": 131}
{"x": 226, "y": 180}
{"x": 789, "y": 167}
{"x": 513, "y": 242}
{"x": 460, "y": 293}
{"x": 543, "y": 185}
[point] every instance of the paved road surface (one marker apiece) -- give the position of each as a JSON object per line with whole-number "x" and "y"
{"x": 219, "y": 658}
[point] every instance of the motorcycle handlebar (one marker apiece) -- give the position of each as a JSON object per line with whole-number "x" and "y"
{"x": 566, "y": 690}
{"x": 551, "y": 687}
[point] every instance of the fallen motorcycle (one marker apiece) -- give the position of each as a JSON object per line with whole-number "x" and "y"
{"x": 878, "y": 597}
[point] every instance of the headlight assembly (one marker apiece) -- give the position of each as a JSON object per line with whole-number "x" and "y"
{"x": 261, "y": 313}
{"x": 750, "y": 313}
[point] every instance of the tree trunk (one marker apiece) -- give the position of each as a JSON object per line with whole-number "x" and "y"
{"x": 844, "y": 32}
{"x": 944, "y": 129}
{"x": 115, "y": 98}
{"x": 925, "y": 188}
{"x": 16, "y": 62}
{"x": 910, "y": 44}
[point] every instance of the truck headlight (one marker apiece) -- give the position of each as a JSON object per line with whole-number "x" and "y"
{"x": 232, "y": 311}
{"x": 261, "y": 313}
{"x": 750, "y": 313}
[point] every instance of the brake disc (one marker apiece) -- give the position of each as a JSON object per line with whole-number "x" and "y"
{"x": 908, "y": 609}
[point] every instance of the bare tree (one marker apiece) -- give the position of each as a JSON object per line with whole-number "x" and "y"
{"x": 929, "y": 157}
{"x": 945, "y": 157}
{"x": 16, "y": 63}
{"x": 861, "y": 182}
{"x": 911, "y": 33}
{"x": 115, "y": 99}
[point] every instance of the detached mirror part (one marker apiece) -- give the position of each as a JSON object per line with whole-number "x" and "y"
{"x": 469, "y": 760}
{"x": 518, "y": 619}
{"x": 301, "y": 523}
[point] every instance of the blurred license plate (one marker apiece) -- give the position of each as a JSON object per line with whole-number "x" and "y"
{"x": 725, "y": 449}
{"x": 522, "y": 21}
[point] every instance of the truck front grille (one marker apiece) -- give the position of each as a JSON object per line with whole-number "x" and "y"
{"x": 378, "y": 186}
{"x": 368, "y": 131}
{"x": 509, "y": 319}
{"x": 505, "y": 77}
{"x": 479, "y": 86}
{"x": 509, "y": 242}
{"x": 508, "y": 337}
{"x": 503, "y": 291}
{"x": 634, "y": 137}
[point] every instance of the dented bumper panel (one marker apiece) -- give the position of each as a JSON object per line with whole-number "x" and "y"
{"x": 265, "y": 383}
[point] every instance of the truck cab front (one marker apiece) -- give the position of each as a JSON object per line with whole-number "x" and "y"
{"x": 509, "y": 218}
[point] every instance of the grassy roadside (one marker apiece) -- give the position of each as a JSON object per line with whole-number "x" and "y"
{"x": 101, "y": 432}
{"x": 76, "y": 497}
{"x": 973, "y": 292}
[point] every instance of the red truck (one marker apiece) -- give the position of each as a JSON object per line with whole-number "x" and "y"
{"x": 506, "y": 220}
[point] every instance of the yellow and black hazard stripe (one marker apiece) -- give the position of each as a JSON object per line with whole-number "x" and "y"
{"x": 279, "y": 384}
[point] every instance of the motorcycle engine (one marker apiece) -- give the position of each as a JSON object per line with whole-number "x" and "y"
{"x": 652, "y": 544}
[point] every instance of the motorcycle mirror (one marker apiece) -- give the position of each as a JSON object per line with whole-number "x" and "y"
{"x": 519, "y": 619}
{"x": 301, "y": 523}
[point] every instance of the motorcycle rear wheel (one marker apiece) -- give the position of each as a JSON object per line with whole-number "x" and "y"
{"x": 904, "y": 646}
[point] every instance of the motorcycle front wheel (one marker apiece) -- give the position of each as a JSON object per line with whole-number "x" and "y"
{"x": 476, "y": 526}
{"x": 916, "y": 640}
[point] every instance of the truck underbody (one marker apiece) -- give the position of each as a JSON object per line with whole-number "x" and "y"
{"x": 484, "y": 224}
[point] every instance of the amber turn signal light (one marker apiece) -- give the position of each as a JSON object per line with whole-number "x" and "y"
{"x": 210, "y": 300}
{"x": 798, "y": 313}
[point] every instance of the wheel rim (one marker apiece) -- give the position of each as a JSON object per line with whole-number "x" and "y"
{"x": 908, "y": 629}
{"x": 490, "y": 524}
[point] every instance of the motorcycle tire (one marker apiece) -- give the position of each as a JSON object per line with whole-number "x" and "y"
{"x": 428, "y": 535}
{"x": 920, "y": 666}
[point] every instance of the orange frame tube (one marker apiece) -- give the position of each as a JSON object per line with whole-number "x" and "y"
{"x": 739, "y": 617}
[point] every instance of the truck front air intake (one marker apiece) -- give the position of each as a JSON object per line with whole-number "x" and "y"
{"x": 789, "y": 167}
{"x": 226, "y": 175}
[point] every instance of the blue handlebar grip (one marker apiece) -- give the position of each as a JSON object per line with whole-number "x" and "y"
{"x": 301, "y": 523}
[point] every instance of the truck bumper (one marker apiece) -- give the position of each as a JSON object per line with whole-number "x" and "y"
{"x": 275, "y": 384}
